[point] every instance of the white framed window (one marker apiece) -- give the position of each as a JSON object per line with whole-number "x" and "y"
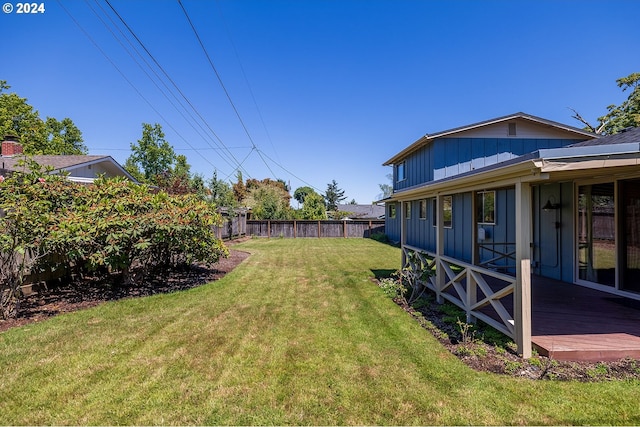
{"x": 392, "y": 210}
{"x": 407, "y": 210}
{"x": 486, "y": 207}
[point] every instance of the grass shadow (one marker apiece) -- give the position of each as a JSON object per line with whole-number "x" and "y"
{"x": 383, "y": 273}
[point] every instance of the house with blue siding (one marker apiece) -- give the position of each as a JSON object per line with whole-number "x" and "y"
{"x": 488, "y": 204}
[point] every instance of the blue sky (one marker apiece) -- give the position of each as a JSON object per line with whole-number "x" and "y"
{"x": 325, "y": 90}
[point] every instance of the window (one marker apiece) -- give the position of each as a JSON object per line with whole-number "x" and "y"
{"x": 400, "y": 172}
{"x": 447, "y": 205}
{"x": 423, "y": 209}
{"x": 407, "y": 210}
{"x": 447, "y": 215}
{"x": 486, "y": 207}
{"x": 512, "y": 129}
{"x": 392, "y": 211}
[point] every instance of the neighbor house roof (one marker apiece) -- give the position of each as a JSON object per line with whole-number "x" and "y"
{"x": 426, "y": 139}
{"x": 68, "y": 163}
{"x": 363, "y": 211}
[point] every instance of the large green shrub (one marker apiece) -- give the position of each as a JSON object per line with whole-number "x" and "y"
{"x": 50, "y": 223}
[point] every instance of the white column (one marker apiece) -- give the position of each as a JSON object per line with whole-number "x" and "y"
{"x": 403, "y": 234}
{"x": 440, "y": 274}
{"x": 522, "y": 292}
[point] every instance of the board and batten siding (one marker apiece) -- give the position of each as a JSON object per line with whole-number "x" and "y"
{"x": 447, "y": 157}
{"x": 392, "y": 225}
{"x": 500, "y": 236}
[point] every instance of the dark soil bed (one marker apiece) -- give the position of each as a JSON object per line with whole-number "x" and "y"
{"x": 92, "y": 291}
{"x": 476, "y": 346}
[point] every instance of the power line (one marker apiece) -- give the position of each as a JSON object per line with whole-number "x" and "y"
{"x": 152, "y": 80}
{"x": 170, "y": 79}
{"x": 244, "y": 75}
{"x": 95, "y": 44}
{"x": 223, "y": 86}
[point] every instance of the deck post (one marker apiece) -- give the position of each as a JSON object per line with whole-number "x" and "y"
{"x": 403, "y": 235}
{"x": 472, "y": 286}
{"x": 522, "y": 291}
{"x": 439, "y": 247}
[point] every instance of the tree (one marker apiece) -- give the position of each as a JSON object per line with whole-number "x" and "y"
{"x": 152, "y": 154}
{"x": 387, "y": 189}
{"x": 18, "y": 118}
{"x": 333, "y": 196}
{"x": 239, "y": 189}
{"x": 221, "y": 192}
{"x": 302, "y": 192}
{"x": 62, "y": 137}
{"x": 313, "y": 207}
{"x": 620, "y": 116}
{"x": 268, "y": 200}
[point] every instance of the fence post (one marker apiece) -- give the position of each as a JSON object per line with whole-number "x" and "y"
{"x": 295, "y": 229}
{"x": 369, "y": 228}
{"x": 318, "y": 229}
{"x": 268, "y": 229}
{"x": 344, "y": 228}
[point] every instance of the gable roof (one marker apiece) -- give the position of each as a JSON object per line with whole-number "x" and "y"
{"x": 570, "y": 162}
{"x": 68, "y": 163}
{"x": 426, "y": 139}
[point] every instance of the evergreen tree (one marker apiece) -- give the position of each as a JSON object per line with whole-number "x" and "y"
{"x": 333, "y": 196}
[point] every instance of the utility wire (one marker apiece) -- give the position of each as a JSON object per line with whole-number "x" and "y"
{"x": 154, "y": 82}
{"x": 244, "y": 75}
{"x": 169, "y": 78}
{"x": 168, "y": 90}
{"x": 122, "y": 74}
{"x": 223, "y": 86}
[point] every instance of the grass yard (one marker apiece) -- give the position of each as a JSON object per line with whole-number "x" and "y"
{"x": 297, "y": 334}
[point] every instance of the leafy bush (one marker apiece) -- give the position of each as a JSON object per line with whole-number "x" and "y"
{"x": 50, "y": 223}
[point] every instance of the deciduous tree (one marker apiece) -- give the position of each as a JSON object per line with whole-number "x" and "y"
{"x": 620, "y": 116}
{"x": 313, "y": 207}
{"x": 18, "y": 118}
{"x": 152, "y": 154}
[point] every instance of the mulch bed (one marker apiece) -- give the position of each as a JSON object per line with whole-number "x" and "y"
{"x": 92, "y": 291}
{"x": 481, "y": 355}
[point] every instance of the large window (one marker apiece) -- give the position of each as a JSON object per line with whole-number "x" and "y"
{"x": 447, "y": 214}
{"x": 596, "y": 233}
{"x": 486, "y": 207}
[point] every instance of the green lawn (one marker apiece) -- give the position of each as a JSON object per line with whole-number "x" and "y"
{"x": 298, "y": 334}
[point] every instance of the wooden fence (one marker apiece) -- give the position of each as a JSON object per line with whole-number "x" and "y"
{"x": 234, "y": 224}
{"x": 358, "y": 228}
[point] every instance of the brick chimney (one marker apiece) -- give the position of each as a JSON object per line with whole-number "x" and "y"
{"x": 11, "y": 146}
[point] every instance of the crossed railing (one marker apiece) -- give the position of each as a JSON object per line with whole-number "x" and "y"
{"x": 478, "y": 291}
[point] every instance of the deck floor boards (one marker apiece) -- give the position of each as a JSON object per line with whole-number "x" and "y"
{"x": 571, "y": 322}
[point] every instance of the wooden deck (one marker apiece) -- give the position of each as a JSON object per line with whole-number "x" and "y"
{"x": 571, "y": 322}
